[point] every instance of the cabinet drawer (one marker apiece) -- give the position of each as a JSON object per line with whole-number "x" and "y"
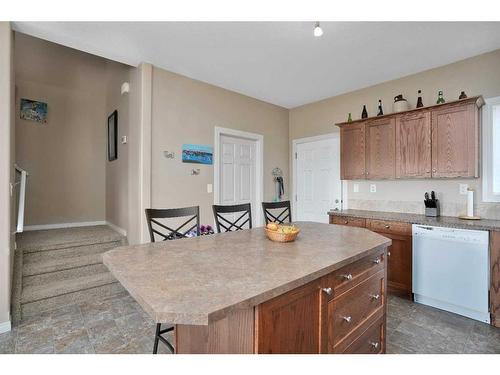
{"x": 349, "y": 311}
{"x": 350, "y": 221}
{"x": 371, "y": 341}
{"x": 387, "y": 226}
{"x": 354, "y": 273}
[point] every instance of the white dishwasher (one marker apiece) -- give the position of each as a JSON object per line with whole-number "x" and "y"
{"x": 451, "y": 270}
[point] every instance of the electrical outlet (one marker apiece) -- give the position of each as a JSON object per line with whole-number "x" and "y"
{"x": 373, "y": 188}
{"x": 355, "y": 188}
{"x": 463, "y": 188}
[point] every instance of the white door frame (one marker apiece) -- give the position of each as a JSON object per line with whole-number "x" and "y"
{"x": 295, "y": 142}
{"x": 259, "y": 167}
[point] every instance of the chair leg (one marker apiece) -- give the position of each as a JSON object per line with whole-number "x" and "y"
{"x": 157, "y": 338}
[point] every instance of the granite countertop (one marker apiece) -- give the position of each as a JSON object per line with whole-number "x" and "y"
{"x": 199, "y": 280}
{"x": 442, "y": 221}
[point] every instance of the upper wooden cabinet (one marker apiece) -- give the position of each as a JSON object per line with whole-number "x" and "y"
{"x": 352, "y": 152}
{"x": 440, "y": 141}
{"x": 380, "y": 148}
{"x": 455, "y": 141}
{"x": 413, "y": 145}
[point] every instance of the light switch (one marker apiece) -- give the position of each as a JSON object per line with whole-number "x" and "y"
{"x": 373, "y": 188}
{"x": 209, "y": 188}
{"x": 124, "y": 139}
{"x": 355, "y": 188}
{"x": 463, "y": 188}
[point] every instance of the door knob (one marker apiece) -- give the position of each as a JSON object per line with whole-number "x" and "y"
{"x": 328, "y": 291}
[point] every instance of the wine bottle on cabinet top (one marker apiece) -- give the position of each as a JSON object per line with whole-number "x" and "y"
{"x": 380, "y": 110}
{"x": 419, "y": 99}
{"x": 364, "y": 114}
{"x": 440, "y": 98}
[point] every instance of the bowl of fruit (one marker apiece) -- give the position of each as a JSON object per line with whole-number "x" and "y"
{"x": 281, "y": 233}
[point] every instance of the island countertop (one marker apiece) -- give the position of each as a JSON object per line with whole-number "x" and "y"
{"x": 199, "y": 280}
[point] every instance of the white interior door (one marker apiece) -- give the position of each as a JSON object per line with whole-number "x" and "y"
{"x": 237, "y": 171}
{"x": 317, "y": 179}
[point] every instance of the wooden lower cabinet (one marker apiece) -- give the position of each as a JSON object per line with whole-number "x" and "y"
{"x": 325, "y": 316}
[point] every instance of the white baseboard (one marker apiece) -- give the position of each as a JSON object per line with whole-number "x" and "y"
{"x": 5, "y": 326}
{"x": 122, "y": 231}
{"x": 64, "y": 225}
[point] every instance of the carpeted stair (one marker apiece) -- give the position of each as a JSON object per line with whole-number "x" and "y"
{"x": 57, "y": 267}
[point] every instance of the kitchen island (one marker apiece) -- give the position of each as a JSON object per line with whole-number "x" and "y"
{"x": 239, "y": 292}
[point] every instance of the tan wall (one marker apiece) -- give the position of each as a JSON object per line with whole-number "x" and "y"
{"x": 187, "y": 111}
{"x": 479, "y": 75}
{"x": 117, "y": 170}
{"x": 66, "y": 156}
{"x": 7, "y": 174}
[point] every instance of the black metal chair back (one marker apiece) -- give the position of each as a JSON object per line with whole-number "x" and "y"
{"x": 273, "y": 214}
{"x": 164, "y": 231}
{"x": 238, "y": 224}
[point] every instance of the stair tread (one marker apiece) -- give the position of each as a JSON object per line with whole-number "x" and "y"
{"x": 52, "y": 239}
{"x": 58, "y": 264}
{"x": 38, "y": 292}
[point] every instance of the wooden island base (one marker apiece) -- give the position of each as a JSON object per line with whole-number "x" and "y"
{"x": 342, "y": 312}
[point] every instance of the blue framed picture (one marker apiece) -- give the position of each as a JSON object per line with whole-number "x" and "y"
{"x": 198, "y": 154}
{"x": 33, "y": 111}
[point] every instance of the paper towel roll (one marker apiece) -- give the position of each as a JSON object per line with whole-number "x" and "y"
{"x": 470, "y": 203}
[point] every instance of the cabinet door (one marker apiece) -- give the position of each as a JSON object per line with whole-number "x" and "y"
{"x": 380, "y": 148}
{"x": 292, "y": 323}
{"x": 352, "y": 152}
{"x": 413, "y": 145}
{"x": 399, "y": 263}
{"x": 455, "y": 132}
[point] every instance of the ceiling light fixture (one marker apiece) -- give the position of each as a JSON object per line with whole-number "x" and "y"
{"x": 318, "y": 31}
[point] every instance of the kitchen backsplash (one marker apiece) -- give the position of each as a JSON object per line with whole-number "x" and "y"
{"x": 485, "y": 210}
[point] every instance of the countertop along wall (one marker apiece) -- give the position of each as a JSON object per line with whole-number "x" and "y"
{"x": 187, "y": 111}
{"x": 479, "y": 75}
{"x": 66, "y": 156}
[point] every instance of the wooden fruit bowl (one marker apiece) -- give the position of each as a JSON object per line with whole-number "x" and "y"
{"x": 276, "y": 236}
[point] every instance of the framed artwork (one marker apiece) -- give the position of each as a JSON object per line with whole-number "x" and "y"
{"x": 113, "y": 136}
{"x": 198, "y": 154}
{"x": 33, "y": 111}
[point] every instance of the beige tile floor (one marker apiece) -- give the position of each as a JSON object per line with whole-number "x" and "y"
{"x": 119, "y": 325}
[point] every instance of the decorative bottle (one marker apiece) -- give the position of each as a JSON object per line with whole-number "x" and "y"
{"x": 380, "y": 110}
{"x": 364, "y": 114}
{"x": 349, "y": 118}
{"x": 419, "y": 99}
{"x": 440, "y": 98}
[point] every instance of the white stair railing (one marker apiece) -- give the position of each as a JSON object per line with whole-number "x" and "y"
{"x": 22, "y": 197}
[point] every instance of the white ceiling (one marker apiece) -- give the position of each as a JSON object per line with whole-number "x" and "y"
{"x": 278, "y": 62}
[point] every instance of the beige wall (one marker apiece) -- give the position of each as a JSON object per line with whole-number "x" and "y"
{"x": 66, "y": 156}
{"x": 117, "y": 170}
{"x": 7, "y": 174}
{"x": 187, "y": 111}
{"x": 479, "y": 75}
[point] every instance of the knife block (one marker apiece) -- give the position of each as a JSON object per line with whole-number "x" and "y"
{"x": 433, "y": 211}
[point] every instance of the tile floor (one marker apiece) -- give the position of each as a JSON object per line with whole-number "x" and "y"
{"x": 119, "y": 325}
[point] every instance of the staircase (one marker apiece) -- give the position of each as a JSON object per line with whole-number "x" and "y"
{"x": 57, "y": 267}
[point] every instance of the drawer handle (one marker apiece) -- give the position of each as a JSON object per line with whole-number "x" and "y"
{"x": 376, "y": 261}
{"x": 387, "y": 226}
{"x": 347, "y": 277}
{"x": 375, "y": 296}
{"x": 388, "y": 253}
{"x": 347, "y": 319}
{"x": 328, "y": 291}
{"x": 374, "y": 344}
{"x": 346, "y": 222}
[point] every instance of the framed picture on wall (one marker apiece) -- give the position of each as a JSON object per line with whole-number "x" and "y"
{"x": 113, "y": 136}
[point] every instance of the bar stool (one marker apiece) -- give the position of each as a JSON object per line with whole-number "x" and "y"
{"x": 280, "y": 217}
{"x": 238, "y": 224}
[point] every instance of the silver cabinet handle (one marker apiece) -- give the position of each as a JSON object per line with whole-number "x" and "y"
{"x": 346, "y": 222}
{"x": 347, "y": 319}
{"x": 376, "y": 261}
{"x": 328, "y": 291}
{"x": 387, "y": 226}
{"x": 347, "y": 277}
{"x": 375, "y": 296}
{"x": 388, "y": 253}
{"x": 374, "y": 344}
